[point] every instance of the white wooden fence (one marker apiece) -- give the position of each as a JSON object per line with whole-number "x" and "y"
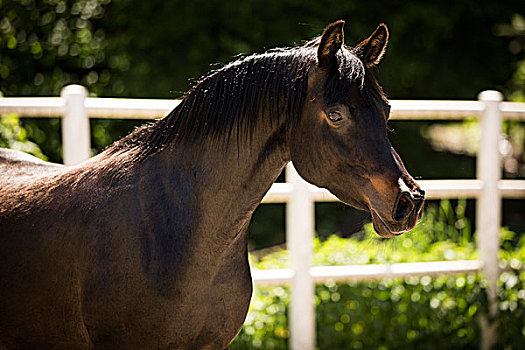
{"x": 76, "y": 108}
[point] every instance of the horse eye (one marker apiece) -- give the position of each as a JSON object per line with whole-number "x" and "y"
{"x": 335, "y": 116}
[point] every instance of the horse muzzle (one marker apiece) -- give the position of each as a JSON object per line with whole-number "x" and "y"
{"x": 405, "y": 214}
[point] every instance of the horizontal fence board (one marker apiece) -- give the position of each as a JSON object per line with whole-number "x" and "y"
{"x": 279, "y": 193}
{"x": 127, "y": 108}
{"x": 354, "y": 273}
{"x": 513, "y": 110}
{"x": 33, "y": 106}
{"x": 514, "y": 189}
{"x": 435, "y": 110}
{"x": 435, "y": 189}
{"x": 272, "y": 277}
{"x": 451, "y": 188}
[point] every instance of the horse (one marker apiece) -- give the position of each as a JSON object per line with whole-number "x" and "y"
{"x": 144, "y": 246}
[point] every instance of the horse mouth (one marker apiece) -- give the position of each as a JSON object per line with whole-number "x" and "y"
{"x": 387, "y": 230}
{"x": 403, "y": 217}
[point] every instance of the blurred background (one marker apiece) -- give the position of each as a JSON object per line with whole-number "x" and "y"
{"x": 437, "y": 50}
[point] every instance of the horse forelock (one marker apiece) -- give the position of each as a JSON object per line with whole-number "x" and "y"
{"x": 347, "y": 74}
{"x": 350, "y": 76}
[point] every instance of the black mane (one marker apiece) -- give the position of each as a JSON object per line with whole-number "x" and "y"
{"x": 231, "y": 99}
{"x": 228, "y": 102}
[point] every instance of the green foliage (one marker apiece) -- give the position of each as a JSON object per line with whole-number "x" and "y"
{"x": 14, "y": 136}
{"x": 518, "y": 83}
{"x": 410, "y": 313}
{"x": 511, "y": 296}
{"x": 45, "y": 45}
{"x": 114, "y": 46}
{"x": 515, "y": 30}
{"x": 414, "y": 313}
{"x": 169, "y": 42}
{"x": 266, "y": 325}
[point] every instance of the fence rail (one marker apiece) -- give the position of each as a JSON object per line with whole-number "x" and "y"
{"x": 323, "y": 274}
{"x": 127, "y": 108}
{"x": 75, "y": 108}
{"x": 280, "y": 192}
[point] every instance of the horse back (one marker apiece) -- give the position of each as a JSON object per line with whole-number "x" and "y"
{"x": 14, "y": 164}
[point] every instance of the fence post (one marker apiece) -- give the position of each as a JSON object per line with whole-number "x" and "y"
{"x": 300, "y": 225}
{"x": 75, "y": 126}
{"x": 488, "y": 212}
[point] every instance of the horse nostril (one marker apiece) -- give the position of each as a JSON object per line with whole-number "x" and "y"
{"x": 403, "y": 207}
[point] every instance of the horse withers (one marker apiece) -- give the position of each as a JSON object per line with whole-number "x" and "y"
{"x": 144, "y": 246}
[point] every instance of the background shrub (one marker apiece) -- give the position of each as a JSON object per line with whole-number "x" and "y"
{"x": 403, "y": 313}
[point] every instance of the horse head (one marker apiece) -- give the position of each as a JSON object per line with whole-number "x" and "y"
{"x": 340, "y": 141}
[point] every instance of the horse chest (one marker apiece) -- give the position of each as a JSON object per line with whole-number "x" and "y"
{"x": 227, "y": 304}
{"x": 221, "y": 308}
{"x": 202, "y": 308}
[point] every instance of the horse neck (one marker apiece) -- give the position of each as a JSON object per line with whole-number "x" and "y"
{"x": 223, "y": 181}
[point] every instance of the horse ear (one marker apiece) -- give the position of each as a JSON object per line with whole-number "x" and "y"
{"x": 371, "y": 50}
{"x": 331, "y": 41}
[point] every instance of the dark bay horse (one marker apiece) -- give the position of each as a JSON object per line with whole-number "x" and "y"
{"x": 144, "y": 246}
